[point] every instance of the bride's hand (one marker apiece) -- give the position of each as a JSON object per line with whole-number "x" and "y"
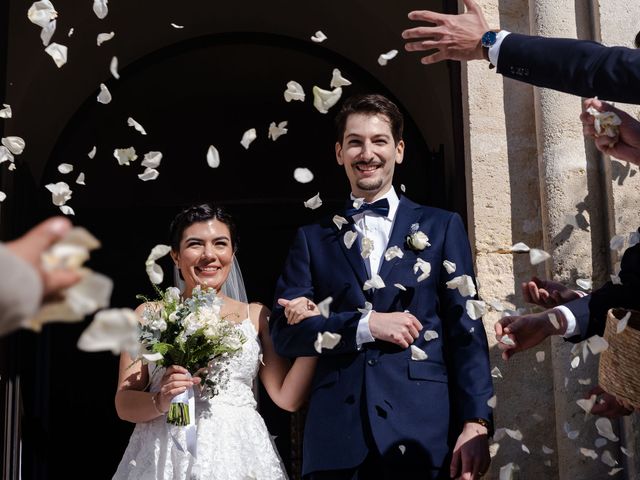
{"x": 175, "y": 381}
{"x": 298, "y": 309}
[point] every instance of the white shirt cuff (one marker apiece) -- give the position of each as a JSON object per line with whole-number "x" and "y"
{"x": 572, "y": 326}
{"x": 363, "y": 334}
{"x": 494, "y": 50}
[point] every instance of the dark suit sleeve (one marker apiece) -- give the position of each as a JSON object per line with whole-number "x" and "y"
{"x": 591, "y": 311}
{"x": 297, "y": 281}
{"x": 579, "y": 67}
{"x": 466, "y": 346}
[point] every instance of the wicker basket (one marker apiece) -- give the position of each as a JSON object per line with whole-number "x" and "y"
{"x": 619, "y": 364}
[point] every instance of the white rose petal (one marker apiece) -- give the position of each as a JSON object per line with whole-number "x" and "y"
{"x": 148, "y": 174}
{"x": 349, "y": 237}
{"x": 430, "y": 335}
{"x": 65, "y": 168}
{"x": 92, "y": 153}
{"x": 587, "y": 452}
{"x": 384, "y": 58}
{"x": 152, "y": 357}
{"x": 294, "y": 91}
{"x": 6, "y": 111}
{"x": 323, "y": 100}
{"x": 450, "y": 267}
{"x": 402, "y": 449}
{"x": 14, "y": 144}
{"x": 584, "y": 381}
{"x": 104, "y": 37}
{"x": 70, "y": 32}
{"x": 248, "y": 137}
{"x": 100, "y": 8}
{"x": 6, "y": 155}
{"x": 584, "y": 283}
{"x": 615, "y": 471}
{"x": 58, "y": 53}
{"x": 571, "y": 434}
{"x": 318, "y": 37}
{"x": 393, "y": 252}
{"x": 113, "y": 68}
{"x": 104, "y": 96}
{"x": 587, "y": 404}
{"x": 615, "y": 279}
{"x": 314, "y": 202}
{"x": 626, "y": 452}
{"x": 537, "y": 256}
{"x": 213, "y": 157}
{"x": 114, "y": 330}
{"x": 374, "y": 282}
{"x": 553, "y": 318}
{"x": 492, "y": 402}
{"x": 276, "y": 131}
{"x": 424, "y": 267}
{"x": 132, "y": 123}
{"x": 3, "y": 196}
{"x": 496, "y": 305}
{"x": 41, "y": 13}
{"x": 302, "y": 175}
{"x": 357, "y": 203}
{"x": 617, "y": 243}
{"x": 475, "y": 309}
{"x": 575, "y": 363}
{"x": 368, "y": 306}
{"x": 80, "y": 179}
{"x": 605, "y": 122}
{"x": 508, "y": 471}
{"x": 154, "y": 271}
{"x": 546, "y": 450}
{"x": 515, "y": 434}
{"x": 60, "y": 193}
{"x": 464, "y": 284}
{"x": 67, "y": 210}
{"x": 326, "y": 340}
{"x": 125, "y": 155}
{"x": 175, "y": 25}
{"x": 12, "y": 167}
{"x": 399, "y": 286}
{"x": 337, "y": 80}
{"x": 506, "y": 340}
{"x": 519, "y": 247}
{"x": 47, "y": 32}
{"x": 152, "y": 159}
{"x": 496, "y": 373}
{"x": 525, "y": 449}
{"x": 366, "y": 247}
{"x": 418, "y": 354}
{"x": 540, "y": 356}
{"x": 597, "y": 344}
{"x": 339, "y": 221}
{"x": 622, "y": 323}
{"x": 323, "y": 306}
{"x": 605, "y": 429}
{"x": 608, "y": 459}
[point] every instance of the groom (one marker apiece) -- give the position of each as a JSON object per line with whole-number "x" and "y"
{"x": 409, "y": 378}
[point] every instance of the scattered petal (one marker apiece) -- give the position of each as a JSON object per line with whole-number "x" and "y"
{"x": 519, "y": 247}
{"x": 402, "y": 449}
{"x": 615, "y": 471}
{"x": 418, "y": 354}
{"x": 622, "y": 323}
{"x": 70, "y": 32}
{"x": 430, "y": 335}
{"x": 403, "y": 188}
{"x": 14, "y": 144}
{"x": 464, "y": 284}
{"x": 424, "y": 267}
{"x": 384, "y": 58}
{"x": 615, "y": 279}
{"x": 248, "y": 137}
{"x": 606, "y": 123}
{"x": 575, "y": 363}
{"x": 114, "y": 330}
{"x": 104, "y": 37}
{"x": 92, "y": 153}
{"x": 525, "y": 449}
{"x": 626, "y": 452}
{"x": 175, "y": 25}
{"x": 213, "y": 157}
{"x": 366, "y": 247}
{"x": 149, "y": 174}
{"x": 400, "y": 287}
{"x": 546, "y": 450}
{"x": 508, "y": 471}
{"x": 339, "y": 221}
{"x": 3, "y": 196}
{"x": 323, "y": 100}
{"x": 152, "y": 159}
{"x": 65, "y": 168}
{"x": 597, "y": 344}
{"x": 58, "y": 53}
{"x": 302, "y": 175}
{"x": 41, "y": 13}
{"x": 47, "y": 32}
{"x": 507, "y": 340}
{"x": 587, "y": 452}
{"x": 12, "y": 167}
{"x": 553, "y": 318}
{"x": 323, "y": 306}
{"x": 326, "y": 340}
{"x": 515, "y": 434}
{"x": 100, "y": 8}
{"x": 337, "y": 80}
{"x": 276, "y": 132}
{"x": 368, "y": 306}
{"x": 393, "y": 252}
{"x": 450, "y": 267}
{"x": 60, "y": 193}
{"x": 605, "y": 429}
{"x": 571, "y": 434}
{"x": 374, "y": 282}
{"x": 104, "y": 96}
{"x": 294, "y": 91}
{"x": 80, "y": 179}
{"x": 608, "y": 459}
{"x": 496, "y": 373}
{"x": 6, "y": 111}
{"x": 537, "y": 256}
{"x": 349, "y": 237}
{"x": 125, "y": 155}
{"x": 153, "y": 269}
{"x": 132, "y": 123}
{"x": 587, "y": 404}
{"x": 318, "y": 37}
{"x": 584, "y": 283}
{"x": 496, "y": 305}
{"x": 493, "y": 449}
{"x": 113, "y": 68}
{"x": 492, "y": 402}
{"x": 540, "y": 356}
{"x": 476, "y": 309}
{"x": 617, "y": 243}
{"x": 584, "y": 381}
{"x": 314, "y": 202}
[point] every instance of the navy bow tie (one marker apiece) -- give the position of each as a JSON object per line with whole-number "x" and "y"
{"x": 381, "y": 207}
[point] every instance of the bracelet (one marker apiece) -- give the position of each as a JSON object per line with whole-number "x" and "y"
{"x": 480, "y": 421}
{"x": 154, "y": 400}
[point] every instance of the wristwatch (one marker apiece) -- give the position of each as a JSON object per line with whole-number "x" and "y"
{"x": 487, "y": 41}
{"x": 481, "y": 421}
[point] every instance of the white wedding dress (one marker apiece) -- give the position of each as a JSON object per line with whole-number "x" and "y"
{"x": 232, "y": 439}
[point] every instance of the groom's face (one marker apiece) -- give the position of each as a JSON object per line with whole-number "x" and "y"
{"x": 369, "y": 154}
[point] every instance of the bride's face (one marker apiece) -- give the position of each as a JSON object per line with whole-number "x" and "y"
{"x": 205, "y": 255}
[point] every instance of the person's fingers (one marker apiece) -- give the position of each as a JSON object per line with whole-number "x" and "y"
{"x": 593, "y": 102}
{"x": 433, "y": 58}
{"x": 283, "y": 302}
{"x": 31, "y": 245}
{"x": 422, "y": 45}
{"x": 419, "y": 32}
{"x": 426, "y": 16}
{"x": 58, "y": 280}
{"x": 416, "y": 323}
{"x": 454, "y": 467}
{"x": 472, "y": 6}
{"x": 502, "y": 324}
{"x": 467, "y": 463}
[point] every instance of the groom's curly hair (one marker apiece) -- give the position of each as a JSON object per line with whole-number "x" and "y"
{"x": 372, "y": 104}
{"x": 200, "y": 213}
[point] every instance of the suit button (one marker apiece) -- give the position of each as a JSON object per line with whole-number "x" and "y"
{"x": 372, "y": 361}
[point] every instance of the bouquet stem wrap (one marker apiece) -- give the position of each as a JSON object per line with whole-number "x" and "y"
{"x": 182, "y": 413}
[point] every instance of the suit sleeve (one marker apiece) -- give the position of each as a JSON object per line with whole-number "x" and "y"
{"x": 591, "y": 311}
{"x": 579, "y": 67}
{"x": 297, "y": 281}
{"x": 466, "y": 348}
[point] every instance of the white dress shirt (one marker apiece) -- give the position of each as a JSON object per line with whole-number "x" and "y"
{"x": 378, "y": 229}
{"x": 494, "y": 50}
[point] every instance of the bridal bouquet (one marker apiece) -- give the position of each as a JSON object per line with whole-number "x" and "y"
{"x": 190, "y": 333}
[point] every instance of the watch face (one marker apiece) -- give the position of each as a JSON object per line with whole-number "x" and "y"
{"x": 489, "y": 38}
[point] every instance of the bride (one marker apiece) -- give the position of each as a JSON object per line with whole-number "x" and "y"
{"x": 232, "y": 440}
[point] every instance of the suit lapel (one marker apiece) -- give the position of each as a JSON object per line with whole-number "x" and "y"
{"x": 407, "y": 214}
{"x": 353, "y": 254}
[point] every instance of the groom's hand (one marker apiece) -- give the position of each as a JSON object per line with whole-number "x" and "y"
{"x": 400, "y": 328}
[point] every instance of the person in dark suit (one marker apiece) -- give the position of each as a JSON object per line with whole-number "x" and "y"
{"x": 579, "y": 67}
{"x": 405, "y": 391}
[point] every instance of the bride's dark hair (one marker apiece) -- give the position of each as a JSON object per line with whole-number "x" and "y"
{"x": 200, "y": 213}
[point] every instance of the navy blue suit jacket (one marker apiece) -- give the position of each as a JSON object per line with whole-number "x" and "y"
{"x": 579, "y": 67}
{"x": 591, "y": 311}
{"x": 378, "y": 393}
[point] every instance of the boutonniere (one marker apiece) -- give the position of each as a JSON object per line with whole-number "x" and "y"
{"x": 417, "y": 240}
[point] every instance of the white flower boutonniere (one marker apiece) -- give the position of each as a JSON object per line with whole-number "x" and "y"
{"x": 417, "y": 240}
